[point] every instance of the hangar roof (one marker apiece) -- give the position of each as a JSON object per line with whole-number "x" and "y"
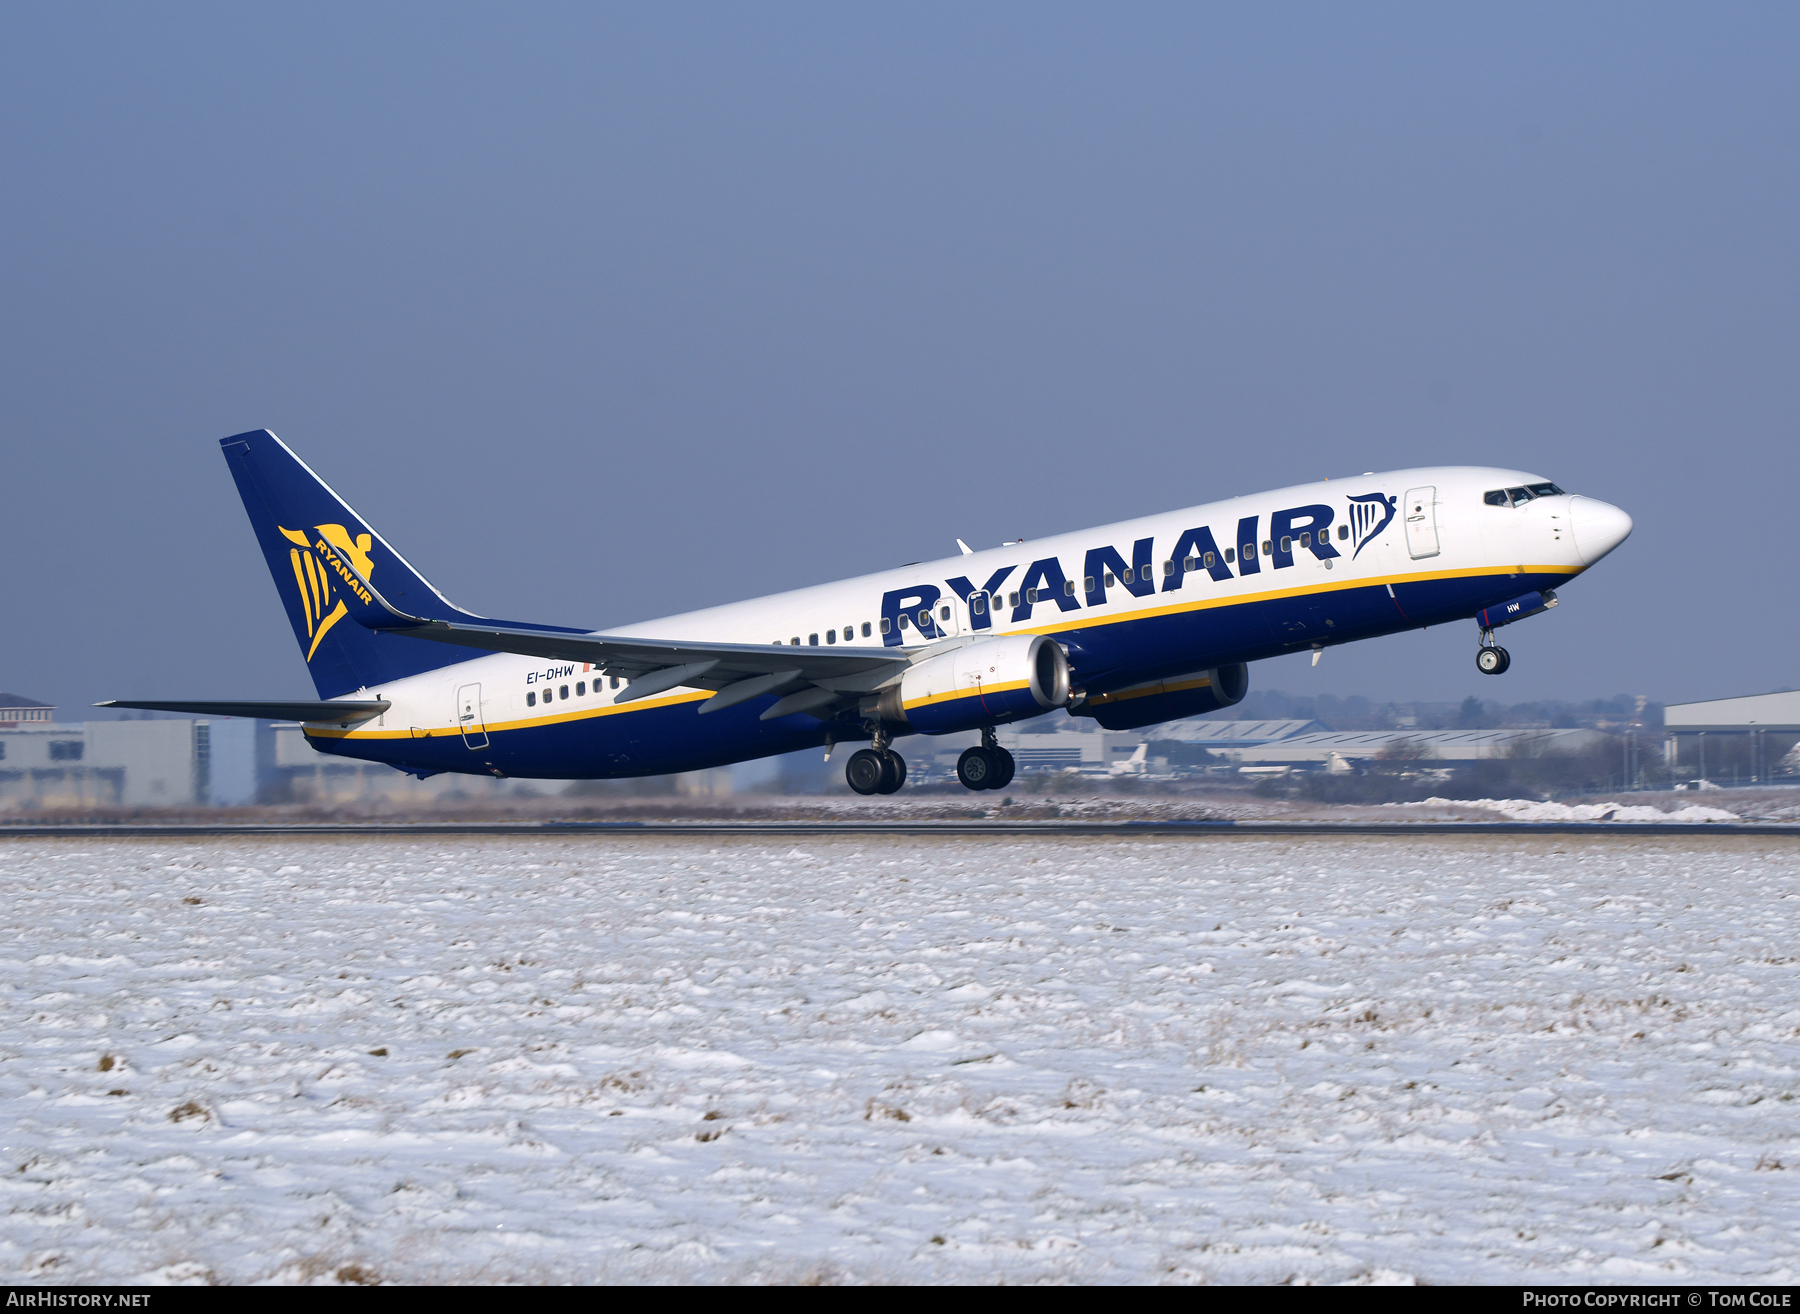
{"x": 1770, "y": 711}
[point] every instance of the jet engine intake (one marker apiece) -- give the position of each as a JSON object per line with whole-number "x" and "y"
{"x": 979, "y": 684}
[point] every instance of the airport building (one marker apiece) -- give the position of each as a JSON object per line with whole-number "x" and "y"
{"x": 1238, "y": 746}
{"x": 14, "y": 709}
{"x": 1741, "y": 737}
{"x": 160, "y": 763}
{"x": 1317, "y": 747}
{"x": 225, "y": 762}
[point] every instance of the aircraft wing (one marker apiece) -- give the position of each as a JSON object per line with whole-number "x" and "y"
{"x": 345, "y": 711}
{"x": 725, "y": 663}
{"x": 806, "y": 679}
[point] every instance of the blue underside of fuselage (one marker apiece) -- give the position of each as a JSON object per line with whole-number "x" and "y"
{"x": 658, "y": 740}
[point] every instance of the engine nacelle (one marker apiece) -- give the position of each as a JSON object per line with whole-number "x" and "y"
{"x": 1529, "y": 604}
{"x": 980, "y": 684}
{"x": 1193, "y": 694}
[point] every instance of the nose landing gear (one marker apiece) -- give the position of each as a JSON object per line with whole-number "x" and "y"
{"x": 1489, "y": 658}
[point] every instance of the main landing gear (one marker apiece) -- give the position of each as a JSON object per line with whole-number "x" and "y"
{"x": 1490, "y": 659}
{"x": 872, "y": 772}
{"x": 987, "y": 767}
{"x": 877, "y": 770}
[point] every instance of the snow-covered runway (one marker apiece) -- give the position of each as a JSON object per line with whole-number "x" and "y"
{"x": 575, "y": 1059}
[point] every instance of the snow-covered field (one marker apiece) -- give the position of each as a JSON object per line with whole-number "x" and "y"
{"x": 1233, "y": 1059}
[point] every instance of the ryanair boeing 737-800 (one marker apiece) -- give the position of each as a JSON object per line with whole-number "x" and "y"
{"x": 1133, "y": 623}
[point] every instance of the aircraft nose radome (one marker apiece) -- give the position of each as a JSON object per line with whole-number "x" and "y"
{"x": 1599, "y": 527}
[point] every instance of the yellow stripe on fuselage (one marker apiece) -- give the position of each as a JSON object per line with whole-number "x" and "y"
{"x": 528, "y": 723}
{"x": 1207, "y": 604}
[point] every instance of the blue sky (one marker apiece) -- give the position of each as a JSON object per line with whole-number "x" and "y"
{"x": 601, "y": 313}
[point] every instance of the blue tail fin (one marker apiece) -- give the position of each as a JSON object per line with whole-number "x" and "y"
{"x": 297, "y": 518}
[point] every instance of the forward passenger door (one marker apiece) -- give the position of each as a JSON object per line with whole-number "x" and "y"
{"x": 1421, "y": 522}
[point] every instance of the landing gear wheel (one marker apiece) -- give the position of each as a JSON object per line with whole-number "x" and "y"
{"x": 1492, "y": 661}
{"x": 864, "y": 772}
{"x": 977, "y": 768}
{"x": 1003, "y": 777}
{"x": 893, "y": 773}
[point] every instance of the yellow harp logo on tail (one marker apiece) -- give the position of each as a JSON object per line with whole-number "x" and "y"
{"x": 320, "y": 572}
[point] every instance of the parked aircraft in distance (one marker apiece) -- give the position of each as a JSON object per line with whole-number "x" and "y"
{"x": 1133, "y": 623}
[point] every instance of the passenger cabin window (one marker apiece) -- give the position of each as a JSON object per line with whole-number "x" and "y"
{"x": 1267, "y": 547}
{"x": 794, "y": 642}
{"x": 904, "y": 622}
{"x": 1248, "y": 551}
{"x": 1068, "y": 588}
{"x": 581, "y": 688}
{"x": 830, "y": 636}
{"x": 1012, "y": 599}
{"x": 978, "y": 604}
{"x": 1190, "y": 563}
{"x": 924, "y": 618}
{"x": 1030, "y": 595}
{"x": 849, "y": 633}
{"x": 866, "y": 628}
{"x": 1168, "y": 567}
{"x": 1230, "y": 554}
{"x": 812, "y": 641}
{"x": 563, "y": 693}
{"x": 1087, "y": 583}
{"x": 886, "y": 626}
{"x": 613, "y": 680}
{"x": 1306, "y": 539}
{"x": 1109, "y": 579}
{"x": 1343, "y": 531}
{"x": 1145, "y": 572}
{"x": 1287, "y": 543}
{"x": 530, "y": 699}
{"x": 944, "y": 612}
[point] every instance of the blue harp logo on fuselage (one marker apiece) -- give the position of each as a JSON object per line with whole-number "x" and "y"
{"x": 1369, "y": 515}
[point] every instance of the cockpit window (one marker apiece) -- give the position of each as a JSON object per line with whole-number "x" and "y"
{"x": 1519, "y": 496}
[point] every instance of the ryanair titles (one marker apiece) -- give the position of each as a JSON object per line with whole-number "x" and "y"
{"x": 914, "y": 611}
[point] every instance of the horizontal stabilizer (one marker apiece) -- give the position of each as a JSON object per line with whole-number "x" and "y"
{"x": 346, "y": 712}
